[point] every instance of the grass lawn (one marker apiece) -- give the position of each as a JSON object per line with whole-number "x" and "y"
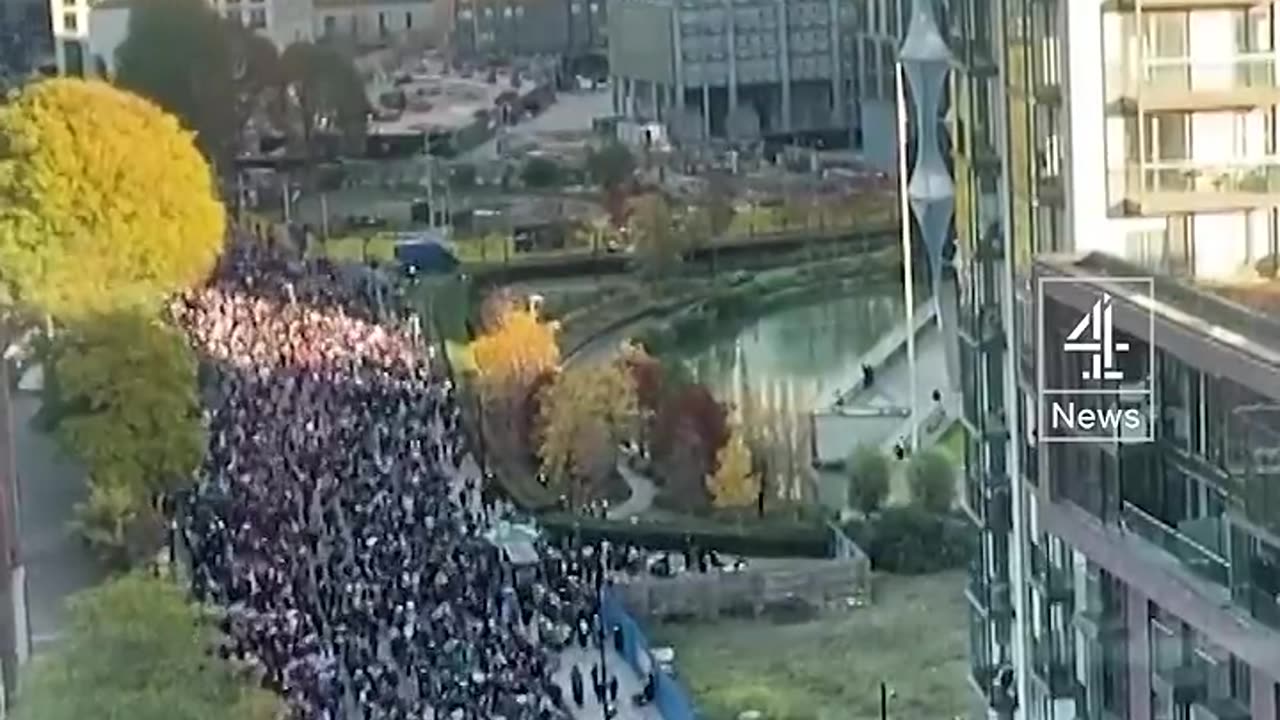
{"x": 914, "y": 637}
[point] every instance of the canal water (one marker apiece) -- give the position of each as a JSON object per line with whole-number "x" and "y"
{"x": 794, "y": 361}
{"x": 806, "y": 353}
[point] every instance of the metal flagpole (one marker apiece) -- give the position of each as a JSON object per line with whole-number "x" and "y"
{"x": 908, "y": 271}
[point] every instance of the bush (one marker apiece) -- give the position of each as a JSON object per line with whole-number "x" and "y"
{"x": 932, "y": 477}
{"x": 540, "y": 172}
{"x": 913, "y": 541}
{"x": 868, "y": 479}
{"x": 766, "y": 539}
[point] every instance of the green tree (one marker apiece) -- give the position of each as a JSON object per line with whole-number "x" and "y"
{"x": 868, "y": 479}
{"x": 136, "y": 649}
{"x": 658, "y": 244}
{"x": 324, "y": 96}
{"x": 612, "y": 167}
{"x": 104, "y": 202}
{"x": 129, "y": 383}
{"x": 182, "y": 55}
{"x": 932, "y": 477}
{"x": 541, "y": 172}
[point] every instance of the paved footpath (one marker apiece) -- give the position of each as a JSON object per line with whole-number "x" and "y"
{"x": 628, "y": 685}
{"x": 50, "y": 484}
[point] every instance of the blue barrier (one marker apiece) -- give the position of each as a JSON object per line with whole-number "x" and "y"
{"x": 671, "y": 698}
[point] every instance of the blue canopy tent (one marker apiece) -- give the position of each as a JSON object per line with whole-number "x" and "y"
{"x": 425, "y": 253}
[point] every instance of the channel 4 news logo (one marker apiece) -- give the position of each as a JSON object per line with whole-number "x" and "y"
{"x": 1099, "y": 403}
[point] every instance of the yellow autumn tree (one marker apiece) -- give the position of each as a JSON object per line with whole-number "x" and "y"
{"x": 733, "y": 485}
{"x": 515, "y": 351}
{"x": 516, "y": 348}
{"x": 585, "y": 412}
{"x": 105, "y": 202}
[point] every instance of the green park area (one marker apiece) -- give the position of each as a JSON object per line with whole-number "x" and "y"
{"x": 912, "y": 637}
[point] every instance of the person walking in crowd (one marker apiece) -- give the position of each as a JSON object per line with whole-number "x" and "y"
{"x": 338, "y": 521}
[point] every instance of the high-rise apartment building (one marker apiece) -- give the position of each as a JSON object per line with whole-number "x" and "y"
{"x": 1097, "y": 140}
{"x": 740, "y": 70}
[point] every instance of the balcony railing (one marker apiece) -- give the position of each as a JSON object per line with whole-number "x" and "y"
{"x": 1198, "y": 558}
{"x": 1187, "y": 83}
{"x": 1185, "y": 74}
{"x": 1170, "y": 186}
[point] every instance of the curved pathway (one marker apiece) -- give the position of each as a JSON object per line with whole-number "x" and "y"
{"x": 642, "y": 493}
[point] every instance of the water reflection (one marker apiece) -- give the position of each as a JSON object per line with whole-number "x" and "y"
{"x": 803, "y": 353}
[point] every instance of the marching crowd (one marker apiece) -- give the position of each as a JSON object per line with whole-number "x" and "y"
{"x": 334, "y": 519}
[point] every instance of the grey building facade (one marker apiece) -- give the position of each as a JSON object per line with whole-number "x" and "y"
{"x": 1119, "y": 581}
{"x": 738, "y": 69}
{"x": 514, "y": 28}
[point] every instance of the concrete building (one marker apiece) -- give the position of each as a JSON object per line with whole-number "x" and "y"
{"x": 750, "y": 69}
{"x": 513, "y": 28}
{"x": 372, "y": 22}
{"x": 1096, "y": 140}
{"x": 284, "y": 22}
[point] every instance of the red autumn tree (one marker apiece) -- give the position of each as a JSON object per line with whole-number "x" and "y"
{"x": 532, "y": 408}
{"x": 649, "y": 377}
{"x": 691, "y": 409}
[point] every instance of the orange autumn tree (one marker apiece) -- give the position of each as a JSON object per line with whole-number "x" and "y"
{"x": 516, "y": 348}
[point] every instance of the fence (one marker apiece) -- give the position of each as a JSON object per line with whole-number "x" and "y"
{"x": 672, "y": 699}
{"x": 751, "y": 591}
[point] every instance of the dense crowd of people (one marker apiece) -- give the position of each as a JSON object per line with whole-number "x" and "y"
{"x": 338, "y": 520}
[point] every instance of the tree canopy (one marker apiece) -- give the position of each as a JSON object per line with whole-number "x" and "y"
{"x": 135, "y": 649}
{"x": 657, "y": 243}
{"x": 325, "y": 96}
{"x": 516, "y": 347}
{"x": 869, "y": 474}
{"x": 129, "y": 387}
{"x": 182, "y": 55}
{"x": 104, "y": 202}
{"x": 585, "y": 413}
{"x": 931, "y": 473}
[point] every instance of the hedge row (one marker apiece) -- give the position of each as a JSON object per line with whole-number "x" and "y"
{"x": 908, "y": 540}
{"x": 767, "y": 539}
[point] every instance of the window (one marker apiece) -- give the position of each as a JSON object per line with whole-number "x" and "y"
{"x": 70, "y": 22}
{"x": 382, "y": 24}
{"x": 408, "y": 21}
{"x": 257, "y": 18}
{"x": 330, "y": 25}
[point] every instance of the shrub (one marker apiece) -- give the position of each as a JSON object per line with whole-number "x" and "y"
{"x": 913, "y": 541}
{"x": 868, "y": 479}
{"x": 932, "y": 477}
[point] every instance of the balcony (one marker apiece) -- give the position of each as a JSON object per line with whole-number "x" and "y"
{"x": 1220, "y": 709}
{"x": 1132, "y": 5}
{"x": 1169, "y": 187}
{"x": 1185, "y": 84}
{"x": 1190, "y": 543}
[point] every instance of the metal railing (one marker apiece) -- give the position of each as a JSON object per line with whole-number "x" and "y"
{"x": 1204, "y": 562}
{"x": 1186, "y": 74}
